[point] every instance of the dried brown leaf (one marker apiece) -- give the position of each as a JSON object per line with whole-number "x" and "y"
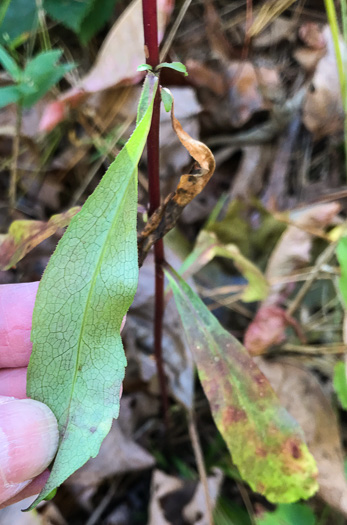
{"x": 323, "y": 113}
{"x": 301, "y": 394}
{"x": 23, "y": 236}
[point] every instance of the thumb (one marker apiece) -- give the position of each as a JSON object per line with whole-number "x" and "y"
{"x": 28, "y": 443}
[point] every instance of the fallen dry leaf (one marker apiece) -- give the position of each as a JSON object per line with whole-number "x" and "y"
{"x": 195, "y": 512}
{"x": 291, "y": 253}
{"x": 116, "y": 63}
{"x": 323, "y": 113}
{"x": 301, "y": 394}
{"x": 251, "y": 90}
{"x": 23, "y": 236}
{"x": 176, "y": 501}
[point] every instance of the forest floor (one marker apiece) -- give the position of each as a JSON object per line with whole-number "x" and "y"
{"x": 263, "y": 93}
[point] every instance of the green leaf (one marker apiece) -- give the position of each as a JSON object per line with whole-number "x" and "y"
{"x": 71, "y": 13}
{"x": 20, "y": 20}
{"x": 9, "y": 95}
{"x": 340, "y": 383}
{"x": 166, "y": 98}
{"x": 40, "y": 74}
{"x": 294, "y": 514}
{"x": 341, "y": 253}
{"x": 144, "y": 67}
{"x": 177, "y": 66}
{"x": 10, "y": 65}
{"x": 266, "y": 443}
{"x": 77, "y": 364}
{"x": 96, "y": 18}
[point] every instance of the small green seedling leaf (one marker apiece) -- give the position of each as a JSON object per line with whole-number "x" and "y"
{"x": 166, "y": 98}
{"x": 177, "y": 66}
{"x": 265, "y": 442}
{"x": 9, "y": 95}
{"x": 10, "y": 65}
{"x": 144, "y": 67}
{"x": 340, "y": 383}
{"x": 294, "y": 514}
{"x": 77, "y": 363}
{"x": 40, "y": 74}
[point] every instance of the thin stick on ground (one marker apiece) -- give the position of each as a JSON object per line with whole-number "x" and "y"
{"x": 194, "y": 437}
{"x": 149, "y": 9}
{"x": 12, "y": 194}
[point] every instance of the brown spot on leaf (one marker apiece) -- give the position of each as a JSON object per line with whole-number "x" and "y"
{"x": 233, "y": 415}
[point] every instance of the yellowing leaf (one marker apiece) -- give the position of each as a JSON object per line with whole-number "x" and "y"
{"x": 23, "y": 236}
{"x": 207, "y": 247}
{"x": 77, "y": 365}
{"x": 266, "y": 443}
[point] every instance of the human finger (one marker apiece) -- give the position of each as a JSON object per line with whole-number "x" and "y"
{"x": 28, "y": 443}
{"x": 16, "y": 310}
{"x": 13, "y": 382}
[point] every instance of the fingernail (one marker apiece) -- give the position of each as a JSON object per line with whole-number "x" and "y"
{"x": 28, "y": 439}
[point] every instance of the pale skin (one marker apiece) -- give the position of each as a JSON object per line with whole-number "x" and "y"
{"x": 28, "y": 430}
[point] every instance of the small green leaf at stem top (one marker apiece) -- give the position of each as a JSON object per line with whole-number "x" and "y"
{"x": 144, "y": 67}
{"x": 177, "y": 66}
{"x": 77, "y": 363}
{"x": 166, "y": 98}
{"x": 265, "y": 442}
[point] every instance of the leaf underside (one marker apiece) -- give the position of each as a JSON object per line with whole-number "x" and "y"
{"x": 266, "y": 443}
{"x": 77, "y": 365}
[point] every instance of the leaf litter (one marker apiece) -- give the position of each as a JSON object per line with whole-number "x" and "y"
{"x": 246, "y": 100}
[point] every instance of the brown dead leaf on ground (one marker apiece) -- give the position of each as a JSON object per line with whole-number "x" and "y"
{"x": 23, "y": 236}
{"x": 291, "y": 253}
{"x": 301, "y": 394}
{"x": 323, "y": 113}
{"x": 251, "y": 89}
{"x": 116, "y": 63}
{"x": 174, "y": 500}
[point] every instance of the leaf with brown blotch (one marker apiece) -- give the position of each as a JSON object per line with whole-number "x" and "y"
{"x": 266, "y": 443}
{"x": 23, "y": 236}
{"x": 189, "y": 186}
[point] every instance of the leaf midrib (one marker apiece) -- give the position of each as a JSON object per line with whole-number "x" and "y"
{"x": 90, "y": 293}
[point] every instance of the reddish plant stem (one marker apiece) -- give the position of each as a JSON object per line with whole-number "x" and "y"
{"x": 149, "y": 10}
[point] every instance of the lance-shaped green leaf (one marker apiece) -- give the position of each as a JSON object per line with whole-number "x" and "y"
{"x": 77, "y": 364}
{"x": 266, "y": 443}
{"x": 23, "y": 236}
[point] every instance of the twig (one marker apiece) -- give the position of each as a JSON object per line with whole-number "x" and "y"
{"x": 322, "y": 259}
{"x": 174, "y": 29}
{"x": 193, "y": 433}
